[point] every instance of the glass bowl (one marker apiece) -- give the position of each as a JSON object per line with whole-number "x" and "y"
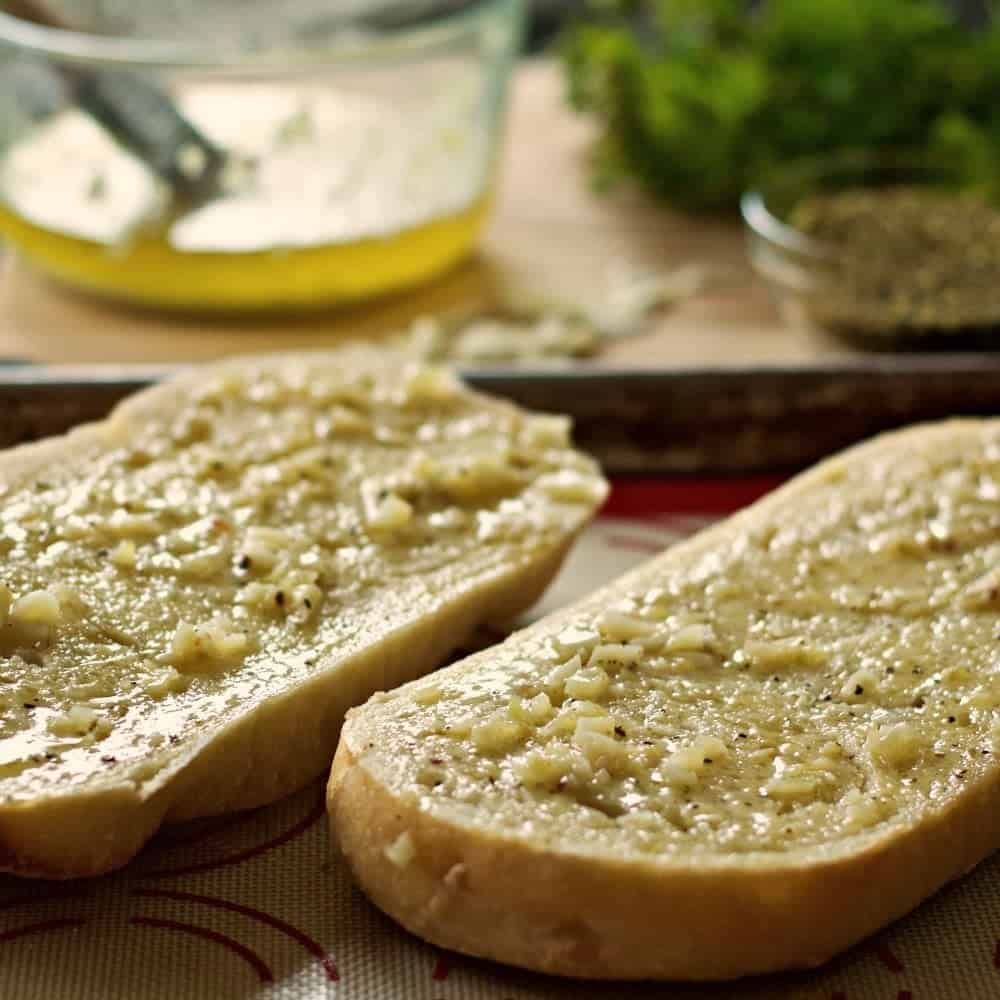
{"x": 365, "y": 137}
{"x": 880, "y": 291}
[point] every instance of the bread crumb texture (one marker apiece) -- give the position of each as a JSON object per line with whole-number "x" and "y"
{"x": 270, "y": 518}
{"x": 821, "y": 671}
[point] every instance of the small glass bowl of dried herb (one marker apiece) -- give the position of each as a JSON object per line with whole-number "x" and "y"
{"x": 889, "y": 249}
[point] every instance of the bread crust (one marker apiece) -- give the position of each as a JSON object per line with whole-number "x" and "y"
{"x": 612, "y": 918}
{"x": 273, "y": 749}
{"x": 497, "y": 895}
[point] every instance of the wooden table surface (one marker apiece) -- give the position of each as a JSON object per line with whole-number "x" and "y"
{"x": 549, "y": 234}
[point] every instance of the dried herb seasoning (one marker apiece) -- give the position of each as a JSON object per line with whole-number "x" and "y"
{"x": 905, "y": 259}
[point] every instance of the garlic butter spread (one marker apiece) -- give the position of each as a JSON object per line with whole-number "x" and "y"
{"x": 245, "y": 530}
{"x": 825, "y": 668}
{"x": 311, "y": 166}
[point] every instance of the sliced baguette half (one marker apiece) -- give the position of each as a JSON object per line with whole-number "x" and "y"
{"x": 194, "y": 591}
{"x": 743, "y": 757}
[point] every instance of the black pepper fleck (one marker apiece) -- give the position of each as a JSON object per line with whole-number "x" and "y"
{"x": 279, "y": 598}
{"x": 858, "y": 689}
{"x": 244, "y": 562}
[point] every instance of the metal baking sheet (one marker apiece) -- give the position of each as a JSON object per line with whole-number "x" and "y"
{"x": 635, "y": 422}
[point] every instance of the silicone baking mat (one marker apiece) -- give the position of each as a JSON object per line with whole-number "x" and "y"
{"x": 258, "y": 906}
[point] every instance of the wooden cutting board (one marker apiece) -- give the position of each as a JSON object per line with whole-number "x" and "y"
{"x": 549, "y": 234}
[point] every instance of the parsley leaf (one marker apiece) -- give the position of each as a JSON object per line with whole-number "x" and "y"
{"x": 699, "y": 99}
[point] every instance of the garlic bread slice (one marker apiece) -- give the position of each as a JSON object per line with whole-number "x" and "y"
{"x": 742, "y": 757}
{"x": 193, "y": 591}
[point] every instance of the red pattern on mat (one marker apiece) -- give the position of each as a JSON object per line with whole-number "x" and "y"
{"x": 441, "y": 969}
{"x": 240, "y": 856}
{"x": 40, "y": 928}
{"x": 310, "y": 945}
{"x": 262, "y": 969}
{"x": 644, "y": 497}
{"x": 193, "y": 834}
{"x": 53, "y": 894}
{"x": 888, "y": 959}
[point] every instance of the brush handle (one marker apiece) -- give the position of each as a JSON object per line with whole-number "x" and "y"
{"x": 139, "y": 115}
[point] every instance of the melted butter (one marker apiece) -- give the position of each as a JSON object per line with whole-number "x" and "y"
{"x": 340, "y": 197}
{"x": 824, "y": 672}
{"x": 255, "y": 556}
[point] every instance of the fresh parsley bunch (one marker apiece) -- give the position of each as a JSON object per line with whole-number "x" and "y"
{"x": 700, "y": 99}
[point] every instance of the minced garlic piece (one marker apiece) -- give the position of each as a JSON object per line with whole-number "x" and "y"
{"x": 388, "y": 512}
{"x": 570, "y": 486}
{"x": 615, "y": 654}
{"x": 897, "y": 745}
{"x": 574, "y": 638}
{"x": 861, "y": 685}
{"x": 546, "y": 432}
{"x": 263, "y": 547}
{"x": 617, "y": 626}
{"x": 168, "y": 682}
{"x": 548, "y": 768}
{"x": 429, "y": 384}
{"x": 777, "y": 655}
{"x": 600, "y": 749}
{"x": 497, "y": 735}
{"x": 790, "y": 789}
{"x": 693, "y": 638}
{"x": 428, "y": 695}
{"x": 123, "y": 555}
{"x": 39, "y": 607}
{"x": 217, "y": 642}
{"x": 537, "y": 710}
{"x": 555, "y": 681}
{"x": 689, "y": 763}
{"x": 590, "y": 683}
{"x": 78, "y": 721}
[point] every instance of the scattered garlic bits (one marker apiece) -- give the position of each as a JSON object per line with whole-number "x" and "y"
{"x": 518, "y": 332}
{"x": 244, "y": 534}
{"x": 785, "y": 682}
